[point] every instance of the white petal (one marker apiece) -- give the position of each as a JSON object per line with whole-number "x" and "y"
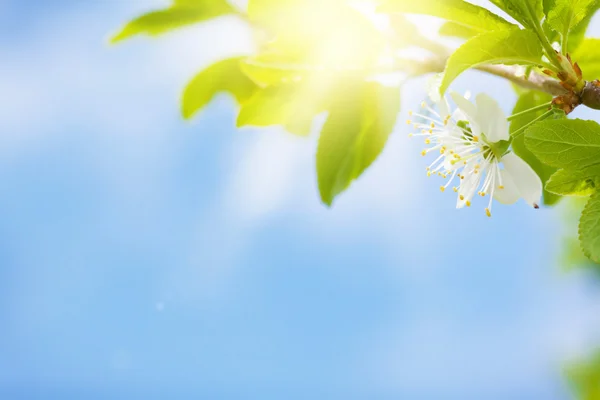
{"x": 443, "y": 107}
{"x": 433, "y": 87}
{"x": 469, "y": 110}
{"x": 491, "y": 118}
{"x": 508, "y": 194}
{"x": 527, "y": 182}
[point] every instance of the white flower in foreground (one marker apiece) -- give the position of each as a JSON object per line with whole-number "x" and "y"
{"x": 472, "y": 143}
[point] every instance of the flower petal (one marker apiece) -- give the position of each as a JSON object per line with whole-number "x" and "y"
{"x": 508, "y": 193}
{"x": 492, "y": 119}
{"x": 527, "y": 182}
{"x": 469, "y": 110}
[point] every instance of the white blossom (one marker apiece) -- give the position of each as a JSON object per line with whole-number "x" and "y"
{"x": 472, "y": 144}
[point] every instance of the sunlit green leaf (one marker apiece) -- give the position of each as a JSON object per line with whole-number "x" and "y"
{"x": 181, "y": 13}
{"x": 292, "y": 105}
{"x": 457, "y": 30}
{"x": 512, "y": 46}
{"x": 589, "y": 228}
{"x": 579, "y": 182}
{"x": 527, "y": 101}
{"x": 588, "y": 58}
{"x": 567, "y": 14}
{"x": 567, "y": 143}
{"x": 223, "y": 76}
{"x": 358, "y": 126}
{"x": 528, "y": 12}
{"x": 459, "y": 11}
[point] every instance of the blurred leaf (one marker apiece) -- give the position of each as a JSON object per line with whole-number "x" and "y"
{"x": 581, "y": 182}
{"x": 589, "y": 228}
{"x": 567, "y": 143}
{"x": 514, "y": 46}
{"x": 292, "y": 105}
{"x": 566, "y": 14}
{"x": 525, "y": 102}
{"x": 223, "y": 76}
{"x": 588, "y": 58}
{"x": 272, "y": 69}
{"x": 181, "y": 13}
{"x": 584, "y": 378}
{"x": 459, "y": 11}
{"x": 528, "y": 12}
{"x": 457, "y": 30}
{"x": 358, "y": 126}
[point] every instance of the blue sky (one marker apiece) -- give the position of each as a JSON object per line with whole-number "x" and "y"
{"x": 142, "y": 256}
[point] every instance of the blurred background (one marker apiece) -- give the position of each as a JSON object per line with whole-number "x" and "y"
{"x": 142, "y": 256}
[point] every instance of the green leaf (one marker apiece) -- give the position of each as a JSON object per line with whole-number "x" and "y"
{"x": 181, "y": 13}
{"x": 577, "y": 34}
{"x": 359, "y": 123}
{"x": 584, "y": 377}
{"x": 271, "y": 69}
{"x": 459, "y": 11}
{"x": 589, "y": 228}
{"x": 527, "y": 101}
{"x": 588, "y": 58}
{"x": 567, "y": 14}
{"x": 579, "y": 182}
{"x": 292, "y": 105}
{"x": 223, "y": 76}
{"x": 457, "y": 30}
{"x": 512, "y": 46}
{"x": 528, "y": 12}
{"x": 567, "y": 143}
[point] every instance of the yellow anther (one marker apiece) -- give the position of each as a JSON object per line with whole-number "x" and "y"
{"x": 500, "y": 187}
{"x": 456, "y": 156}
{"x": 452, "y": 162}
{"x": 423, "y": 104}
{"x": 428, "y": 173}
{"x": 430, "y": 131}
{"x": 461, "y": 197}
{"x": 475, "y": 172}
{"x": 410, "y": 113}
{"x": 442, "y": 189}
{"x": 468, "y": 203}
{"x": 410, "y": 135}
{"x": 423, "y": 153}
{"x": 488, "y": 212}
{"x": 465, "y": 162}
{"x": 408, "y": 122}
{"x": 427, "y": 141}
{"x": 482, "y": 194}
{"x": 476, "y": 138}
{"x": 455, "y": 189}
{"x": 477, "y": 166}
{"x": 432, "y": 125}
{"x": 462, "y": 177}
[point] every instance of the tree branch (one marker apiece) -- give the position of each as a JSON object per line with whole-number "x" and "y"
{"x": 534, "y": 81}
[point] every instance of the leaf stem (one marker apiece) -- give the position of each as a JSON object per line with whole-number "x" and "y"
{"x": 533, "y": 109}
{"x": 522, "y": 129}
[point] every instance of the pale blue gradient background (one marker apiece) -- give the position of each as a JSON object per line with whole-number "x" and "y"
{"x": 142, "y": 256}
